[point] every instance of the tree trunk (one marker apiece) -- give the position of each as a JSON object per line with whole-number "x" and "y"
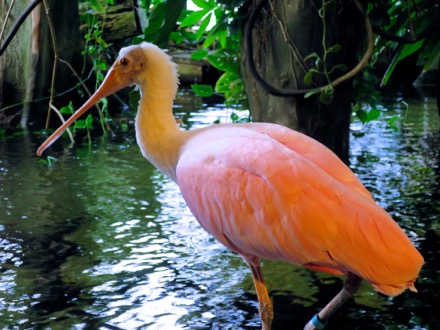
{"x": 27, "y": 65}
{"x": 14, "y": 63}
{"x": 286, "y": 32}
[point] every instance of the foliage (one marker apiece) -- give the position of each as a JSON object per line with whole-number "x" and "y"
{"x": 396, "y": 18}
{"x": 213, "y": 30}
{"x": 225, "y": 43}
{"x": 208, "y": 30}
{"x": 161, "y": 20}
{"x": 320, "y": 66}
{"x": 86, "y": 124}
{"x": 416, "y": 21}
{"x": 95, "y": 48}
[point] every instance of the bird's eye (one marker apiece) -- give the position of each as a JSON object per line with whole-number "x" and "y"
{"x": 124, "y": 61}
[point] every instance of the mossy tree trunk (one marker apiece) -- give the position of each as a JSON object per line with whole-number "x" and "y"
{"x": 286, "y": 32}
{"x": 14, "y": 63}
{"x": 27, "y": 65}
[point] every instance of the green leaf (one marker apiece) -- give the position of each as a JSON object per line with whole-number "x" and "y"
{"x": 173, "y": 9}
{"x": 176, "y": 36}
{"x": 231, "y": 85}
{"x": 405, "y": 51}
{"x": 95, "y": 4}
{"x": 155, "y": 22}
{"x": 199, "y": 54}
{"x": 227, "y": 82}
{"x": 88, "y": 122}
{"x": 223, "y": 60}
{"x": 373, "y": 114}
{"x": 203, "y": 90}
{"x": 203, "y": 26}
{"x": 162, "y": 21}
{"x": 193, "y": 18}
{"x": 308, "y": 78}
{"x": 80, "y": 123}
{"x": 222, "y": 36}
{"x": 326, "y": 97}
{"x": 368, "y": 116}
{"x": 68, "y": 109}
{"x": 430, "y": 53}
{"x": 393, "y": 121}
{"x": 202, "y": 4}
{"x": 362, "y": 115}
{"x": 210, "y": 38}
{"x": 410, "y": 49}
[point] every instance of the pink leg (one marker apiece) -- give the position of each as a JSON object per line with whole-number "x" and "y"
{"x": 351, "y": 285}
{"x": 265, "y": 304}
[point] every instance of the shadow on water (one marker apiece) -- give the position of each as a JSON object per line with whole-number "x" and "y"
{"x": 99, "y": 239}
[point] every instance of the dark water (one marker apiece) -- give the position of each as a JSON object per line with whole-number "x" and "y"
{"x": 99, "y": 239}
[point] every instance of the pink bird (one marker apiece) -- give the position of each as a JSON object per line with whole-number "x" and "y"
{"x": 263, "y": 190}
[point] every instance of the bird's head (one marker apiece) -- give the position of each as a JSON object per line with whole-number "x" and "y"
{"x": 142, "y": 64}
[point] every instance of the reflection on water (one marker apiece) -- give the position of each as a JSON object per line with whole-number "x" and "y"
{"x": 101, "y": 240}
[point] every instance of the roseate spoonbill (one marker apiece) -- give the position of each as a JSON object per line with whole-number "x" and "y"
{"x": 263, "y": 190}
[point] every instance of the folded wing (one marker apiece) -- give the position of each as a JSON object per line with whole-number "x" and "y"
{"x": 280, "y": 195}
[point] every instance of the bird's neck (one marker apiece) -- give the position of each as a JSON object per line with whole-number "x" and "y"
{"x": 157, "y": 133}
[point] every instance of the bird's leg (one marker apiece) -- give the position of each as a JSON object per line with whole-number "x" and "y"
{"x": 351, "y": 285}
{"x": 265, "y": 304}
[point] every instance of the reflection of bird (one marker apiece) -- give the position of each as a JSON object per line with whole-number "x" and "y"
{"x": 264, "y": 190}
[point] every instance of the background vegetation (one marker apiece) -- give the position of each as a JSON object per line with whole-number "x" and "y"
{"x": 406, "y": 41}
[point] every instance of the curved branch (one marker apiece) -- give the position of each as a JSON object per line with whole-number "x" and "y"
{"x": 18, "y": 22}
{"x": 296, "y": 92}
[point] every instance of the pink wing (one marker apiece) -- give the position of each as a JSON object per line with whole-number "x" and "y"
{"x": 267, "y": 191}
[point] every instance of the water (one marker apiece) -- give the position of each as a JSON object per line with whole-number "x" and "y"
{"x": 99, "y": 239}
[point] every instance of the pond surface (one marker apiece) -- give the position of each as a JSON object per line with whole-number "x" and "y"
{"x": 99, "y": 239}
